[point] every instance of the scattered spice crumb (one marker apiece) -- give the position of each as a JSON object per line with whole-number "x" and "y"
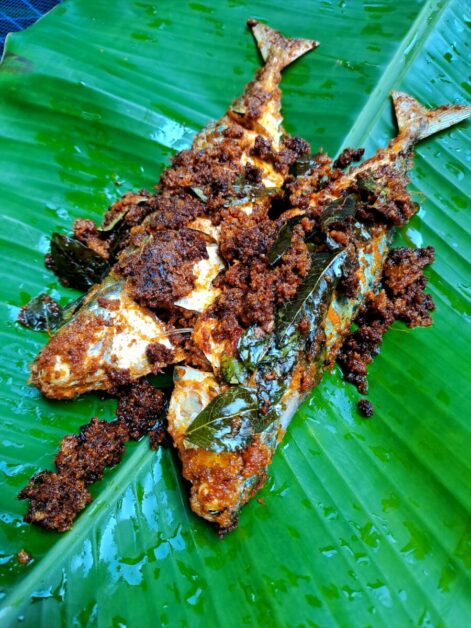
{"x": 347, "y": 156}
{"x": 55, "y": 499}
{"x": 366, "y": 408}
{"x": 23, "y": 557}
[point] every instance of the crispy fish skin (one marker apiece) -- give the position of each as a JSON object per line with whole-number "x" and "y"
{"x": 221, "y": 483}
{"x": 83, "y": 355}
{"x": 258, "y": 111}
{"x": 88, "y": 353}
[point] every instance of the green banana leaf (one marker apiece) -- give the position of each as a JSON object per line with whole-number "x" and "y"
{"x": 362, "y": 522}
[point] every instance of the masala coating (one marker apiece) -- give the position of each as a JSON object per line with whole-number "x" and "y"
{"x": 140, "y": 409}
{"x": 401, "y": 298}
{"x": 162, "y": 271}
{"x": 55, "y": 499}
{"x": 99, "y": 445}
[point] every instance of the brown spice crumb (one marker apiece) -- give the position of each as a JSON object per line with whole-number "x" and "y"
{"x": 117, "y": 378}
{"x": 109, "y": 304}
{"x": 23, "y": 557}
{"x": 212, "y": 170}
{"x": 86, "y": 232}
{"x": 252, "y": 174}
{"x": 292, "y": 148}
{"x": 195, "y": 357}
{"x": 222, "y": 531}
{"x": 251, "y": 289}
{"x": 159, "y": 356}
{"x": 365, "y": 408}
{"x": 162, "y": 270}
{"x": 347, "y": 156}
{"x": 385, "y": 198}
{"x": 402, "y": 298}
{"x": 158, "y": 437}
{"x": 100, "y": 444}
{"x": 140, "y": 409}
{"x": 349, "y": 282}
{"x": 173, "y": 209}
{"x": 54, "y": 500}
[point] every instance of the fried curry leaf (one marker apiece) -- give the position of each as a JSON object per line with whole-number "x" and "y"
{"x": 253, "y": 346}
{"x": 114, "y": 227}
{"x": 243, "y": 187}
{"x": 311, "y": 294}
{"x": 302, "y": 166}
{"x": 274, "y": 372}
{"x": 273, "y": 356}
{"x": 270, "y": 417}
{"x": 283, "y": 240}
{"x": 256, "y": 191}
{"x": 105, "y": 227}
{"x": 227, "y": 422}
{"x": 198, "y": 192}
{"x": 339, "y": 210}
{"x": 43, "y": 313}
{"x": 75, "y": 264}
{"x": 232, "y": 370}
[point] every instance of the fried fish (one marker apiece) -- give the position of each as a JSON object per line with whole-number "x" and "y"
{"x": 228, "y": 423}
{"x": 172, "y": 258}
{"x": 251, "y": 300}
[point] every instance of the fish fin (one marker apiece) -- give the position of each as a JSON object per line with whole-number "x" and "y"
{"x": 273, "y": 45}
{"x": 418, "y": 122}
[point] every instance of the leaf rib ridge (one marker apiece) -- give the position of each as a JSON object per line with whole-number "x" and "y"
{"x": 360, "y": 579}
{"x": 113, "y": 489}
{"x": 410, "y": 46}
{"x": 391, "y": 546}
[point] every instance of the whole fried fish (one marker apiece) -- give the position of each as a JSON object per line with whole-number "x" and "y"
{"x": 128, "y": 324}
{"x": 227, "y": 424}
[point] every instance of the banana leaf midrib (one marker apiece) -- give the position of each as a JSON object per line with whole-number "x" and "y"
{"x": 420, "y": 30}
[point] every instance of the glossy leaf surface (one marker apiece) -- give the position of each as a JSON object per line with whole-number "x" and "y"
{"x": 362, "y": 522}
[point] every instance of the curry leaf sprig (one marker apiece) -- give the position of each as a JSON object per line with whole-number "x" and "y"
{"x": 43, "y": 313}
{"x": 227, "y": 423}
{"x": 336, "y": 211}
{"x": 261, "y": 373}
{"x": 76, "y": 265}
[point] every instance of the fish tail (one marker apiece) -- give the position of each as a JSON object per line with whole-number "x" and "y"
{"x": 417, "y": 122}
{"x": 273, "y": 46}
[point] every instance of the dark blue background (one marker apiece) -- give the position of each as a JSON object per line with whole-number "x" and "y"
{"x": 15, "y": 15}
